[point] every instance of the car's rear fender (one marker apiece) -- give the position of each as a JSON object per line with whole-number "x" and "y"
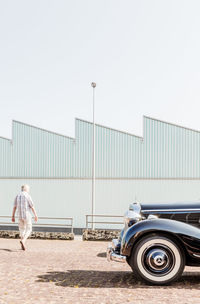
{"x": 188, "y": 236}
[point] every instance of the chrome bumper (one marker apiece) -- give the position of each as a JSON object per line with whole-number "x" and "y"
{"x": 112, "y": 256}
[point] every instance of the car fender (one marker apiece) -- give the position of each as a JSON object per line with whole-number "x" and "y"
{"x": 188, "y": 235}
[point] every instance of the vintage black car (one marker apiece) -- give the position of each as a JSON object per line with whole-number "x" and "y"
{"x": 158, "y": 240}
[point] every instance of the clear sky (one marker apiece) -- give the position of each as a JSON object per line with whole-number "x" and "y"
{"x": 144, "y": 56}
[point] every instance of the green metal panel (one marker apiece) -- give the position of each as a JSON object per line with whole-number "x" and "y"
{"x": 170, "y": 151}
{"x": 165, "y": 151}
{"x": 117, "y": 153}
{"x": 5, "y": 156}
{"x": 40, "y": 153}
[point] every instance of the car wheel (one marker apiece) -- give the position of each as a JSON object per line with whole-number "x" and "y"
{"x": 157, "y": 259}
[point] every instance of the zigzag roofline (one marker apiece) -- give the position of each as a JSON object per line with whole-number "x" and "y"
{"x": 112, "y": 129}
{"x": 5, "y": 138}
{"x": 41, "y": 129}
{"x": 172, "y": 124}
{"x": 102, "y": 126}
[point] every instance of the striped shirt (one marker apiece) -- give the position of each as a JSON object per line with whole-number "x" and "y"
{"x": 23, "y": 203}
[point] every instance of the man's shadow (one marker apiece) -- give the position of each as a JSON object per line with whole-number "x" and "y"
{"x": 9, "y": 250}
{"x": 112, "y": 279}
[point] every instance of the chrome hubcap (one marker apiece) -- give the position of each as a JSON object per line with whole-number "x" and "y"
{"x": 158, "y": 259}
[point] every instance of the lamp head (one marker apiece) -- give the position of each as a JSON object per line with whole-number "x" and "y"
{"x": 93, "y": 84}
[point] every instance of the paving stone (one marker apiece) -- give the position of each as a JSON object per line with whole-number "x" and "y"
{"x": 76, "y": 272}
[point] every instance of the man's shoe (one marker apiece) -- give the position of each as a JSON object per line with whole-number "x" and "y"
{"x": 22, "y": 245}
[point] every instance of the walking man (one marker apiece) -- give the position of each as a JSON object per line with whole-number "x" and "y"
{"x": 24, "y": 205}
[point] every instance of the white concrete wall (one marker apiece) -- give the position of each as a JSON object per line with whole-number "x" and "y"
{"x": 72, "y": 198}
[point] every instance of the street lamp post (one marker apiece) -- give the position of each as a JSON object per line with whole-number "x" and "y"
{"x": 93, "y": 84}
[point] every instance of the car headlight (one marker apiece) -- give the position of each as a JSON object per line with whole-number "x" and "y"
{"x": 131, "y": 217}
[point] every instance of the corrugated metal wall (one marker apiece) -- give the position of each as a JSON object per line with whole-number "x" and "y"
{"x": 5, "y": 157}
{"x": 72, "y": 198}
{"x": 39, "y": 153}
{"x": 158, "y": 167}
{"x": 165, "y": 151}
{"x": 170, "y": 151}
{"x": 118, "y": 154}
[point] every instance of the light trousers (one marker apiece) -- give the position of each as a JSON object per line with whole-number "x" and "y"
{"x": 25, "y": 227}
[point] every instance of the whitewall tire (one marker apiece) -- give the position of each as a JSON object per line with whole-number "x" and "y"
{"x": 157, "y": 259}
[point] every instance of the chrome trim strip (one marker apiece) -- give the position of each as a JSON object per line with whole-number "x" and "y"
{"x": 170, "y": 210}
{"x": 196, "y": 255}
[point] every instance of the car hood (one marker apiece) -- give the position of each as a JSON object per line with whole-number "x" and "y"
{"x": 150, "y": 208}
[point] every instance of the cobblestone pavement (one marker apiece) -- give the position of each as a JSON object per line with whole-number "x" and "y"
{"x": 78, "y": 272}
